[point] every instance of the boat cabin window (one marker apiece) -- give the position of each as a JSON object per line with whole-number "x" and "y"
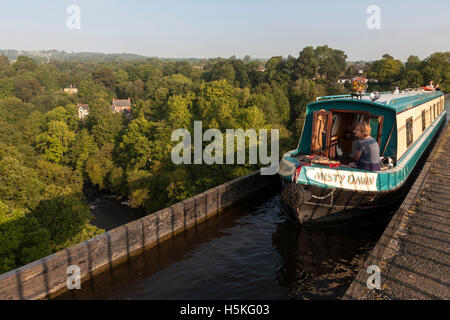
{"x": 409, "y": 132}
{"x": 423, "y": 121}
{"x": 332, "y": 133}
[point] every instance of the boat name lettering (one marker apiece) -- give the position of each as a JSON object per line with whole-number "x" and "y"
{"x": 364, "y": 181}
{"x": 340, "y": 178}
{"x": 329, "y": 177}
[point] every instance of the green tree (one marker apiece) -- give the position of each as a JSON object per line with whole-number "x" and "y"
{"x": 176, "y": 84}
{"x": 24, "y": 64}
{"x": 102, "y": 172}
{"x": 58, "y": 180}
{"x": 4, "y": 61}
{"x": 437, "y": 68}
{"x": 221, "y": 70}
{"x": 105, "y": 125}
{"x": 19, "y": 185}
{"x": 55, "y": 142}
{"x": 90, "y": 91}
{"x": 251, "y": 118}
{"x": 67, "y": 115}
{"x": 83, "y": 146}
{"x": 136, "y": 144}
{"x": 280, "y": 71}
{"x": 413, "y": 63}
{"x": 216, "y": 105}
{"x": 178, "y": 111}
{"x": 6, "y": 88}
{"x": 140, "y": 184}
{"x": 23, "y": 239}
{"x": 64, "y": 217}
{"x": 26, "y": 88}
{"x": 331, "y": 62}
{"x": 351, "y": 70}
{"x": 104, "y": 75}
{"x": 387, "y": 71}
{"x": 302, "y": 92}
{"x": 413, "y": 79}
{"x": 307, "y": 64}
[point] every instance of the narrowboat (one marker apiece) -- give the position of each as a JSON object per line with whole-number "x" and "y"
{"x": 319, "y": 182}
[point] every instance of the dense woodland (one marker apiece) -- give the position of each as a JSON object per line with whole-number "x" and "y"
{"x": 48, "y": 155}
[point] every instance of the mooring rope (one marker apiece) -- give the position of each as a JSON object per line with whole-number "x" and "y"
{"x": 324, "y": 197}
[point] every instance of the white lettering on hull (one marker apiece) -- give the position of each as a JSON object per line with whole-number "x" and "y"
{"x": 360, "y": 181}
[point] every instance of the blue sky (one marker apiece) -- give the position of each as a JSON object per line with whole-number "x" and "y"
{"x": 205, "y": 29}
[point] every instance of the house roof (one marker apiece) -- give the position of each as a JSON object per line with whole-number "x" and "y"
{"x": 121, "y": 103}
{"x": 83, "y": 106}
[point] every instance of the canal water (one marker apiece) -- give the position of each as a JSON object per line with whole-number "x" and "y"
{"x": 251, "y": 251}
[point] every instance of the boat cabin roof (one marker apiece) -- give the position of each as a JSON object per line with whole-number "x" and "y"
{"x": 397, "y": 102}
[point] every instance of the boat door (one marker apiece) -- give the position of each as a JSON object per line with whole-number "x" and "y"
{"x": 321, "y": 133}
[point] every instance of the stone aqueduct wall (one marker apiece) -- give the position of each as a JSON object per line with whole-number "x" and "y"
{"x": 43, "y": 278}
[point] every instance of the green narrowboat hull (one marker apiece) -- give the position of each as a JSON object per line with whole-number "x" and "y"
{"x": 317, "y": 192}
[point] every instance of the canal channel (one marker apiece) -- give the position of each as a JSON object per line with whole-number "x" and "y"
{"x": 250, "y": 251}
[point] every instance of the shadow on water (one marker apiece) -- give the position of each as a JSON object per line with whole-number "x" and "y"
{"x": 252, "y": 251}
{"x": 320, "y": 262}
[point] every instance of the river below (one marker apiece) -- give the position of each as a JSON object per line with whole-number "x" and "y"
{"x": 108, "y": 212}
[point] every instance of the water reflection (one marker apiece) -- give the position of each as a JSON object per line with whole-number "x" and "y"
{"x": 319, "y": 262}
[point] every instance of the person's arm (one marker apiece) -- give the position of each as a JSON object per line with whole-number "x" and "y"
{"x": 356, "y": 155}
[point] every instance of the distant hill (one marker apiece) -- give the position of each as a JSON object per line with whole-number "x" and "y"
{"x": 47, "y": 55}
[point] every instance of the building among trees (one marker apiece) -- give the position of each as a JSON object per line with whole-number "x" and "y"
{"x": 121, "y": 105}
{"x": 71, "y": 89}
{"x": 83, "y": 110}
{"x": 199, "y": 67}
{"x": 346, "y": 79}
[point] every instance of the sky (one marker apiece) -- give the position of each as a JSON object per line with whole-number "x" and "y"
{"x": 222, "y": 28}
